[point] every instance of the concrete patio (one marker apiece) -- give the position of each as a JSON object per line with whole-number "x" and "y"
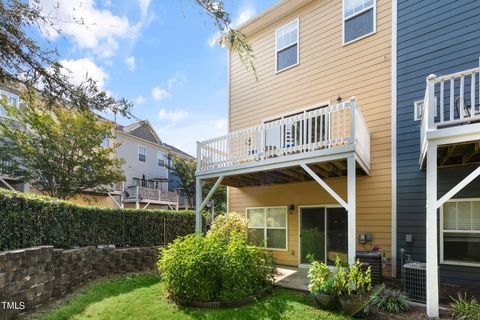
{"x": 292, "y": 278}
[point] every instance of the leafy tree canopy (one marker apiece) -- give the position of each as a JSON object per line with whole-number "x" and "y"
{"x": 58, "y": 151}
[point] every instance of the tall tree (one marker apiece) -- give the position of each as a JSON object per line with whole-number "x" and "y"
{"x": 59, "y": 151}
{"x": 24, "y": 62}
{"x": 185, "y": 170}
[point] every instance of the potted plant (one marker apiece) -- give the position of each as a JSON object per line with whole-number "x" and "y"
{"x": 353, "y": 285}
{"x": 321, "y": 284}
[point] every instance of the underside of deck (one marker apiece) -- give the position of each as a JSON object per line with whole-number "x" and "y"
{"x": 290, "y": 174}
{"x": 466, "y": 153}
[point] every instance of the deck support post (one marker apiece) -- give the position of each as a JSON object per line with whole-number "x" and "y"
{"x": 198, "y": 202}
{"x": 431, "y": 232}
{"x": 351, "y": 210}
{"x": 137, "y": 199}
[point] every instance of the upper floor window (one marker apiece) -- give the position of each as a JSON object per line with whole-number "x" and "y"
{"x": 460, "y": 232}
{"x": 286, "y": 46}
{"x": 142, "y": 153}
{"x": 10, "y": 98}
{"x": 160, "y": 159}
{"x": 358, "y": 19}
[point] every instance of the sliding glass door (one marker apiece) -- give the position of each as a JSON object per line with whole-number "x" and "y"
{"x": 323, "y": 234}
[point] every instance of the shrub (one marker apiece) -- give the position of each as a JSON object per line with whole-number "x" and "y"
{"x": 226, "y": 224}
{"x": 463, "y": 309}
{"x": 351, "y": 279}
{"x": 320, "y": 278}
{"x": 28, "y": 220}
{"x": 391, "y": 300}
{"x": 211, "y": 268}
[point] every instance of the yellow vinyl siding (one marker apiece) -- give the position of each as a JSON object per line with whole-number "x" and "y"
{"x": 326, "y": 70}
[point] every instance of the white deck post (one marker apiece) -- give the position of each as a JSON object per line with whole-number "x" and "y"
{"x": 352, "y": 233}
{"x": 432, "y": 239}
{"x": 198, "y": 203}
{"x": 137, "y": 200}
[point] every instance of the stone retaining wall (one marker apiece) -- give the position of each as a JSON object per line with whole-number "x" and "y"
{"x": 29, "y": 278}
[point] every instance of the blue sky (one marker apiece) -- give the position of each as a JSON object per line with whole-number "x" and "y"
{"x": 158, "y": 54}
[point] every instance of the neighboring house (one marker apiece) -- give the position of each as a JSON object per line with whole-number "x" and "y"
{"x": 147, "y": 169}
{"x": 438, "y": 140}
{"x": 308, "y": 156}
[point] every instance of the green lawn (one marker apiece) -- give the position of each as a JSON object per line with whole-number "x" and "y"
{"x": 142, "y": 297}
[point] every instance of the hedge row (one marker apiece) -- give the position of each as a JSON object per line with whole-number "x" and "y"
{"x": 28, "y": 220}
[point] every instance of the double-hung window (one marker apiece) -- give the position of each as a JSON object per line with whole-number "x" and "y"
{"x": 160, "y": 159}
{"x": 142, "y": 153}
{"x": 268, "y": 227}
{"x": 460, "y": 232}
{"x": 286, "y": 46}
{"x": 358, "y": 19}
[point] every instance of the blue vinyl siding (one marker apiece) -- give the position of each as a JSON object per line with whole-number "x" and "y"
{"x": 440, "y": 37}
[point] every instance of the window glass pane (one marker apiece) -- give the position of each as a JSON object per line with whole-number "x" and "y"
{"x": 354, "y": 6}
{"x": 287, "y": 57}
{"x": 464, "y": 247}
{"x": 276, "y": 238}
{"x": 464, "y": 215}
{"x": 337, "y": 234}
{"x": 287, "y": 35}
{"x": 256, "y": 218}
{"x": 476, "y": 215}
{"x": 256, "y": 237}
{"x": 450, "y": 216}
{"x": 359, "y": 25}
{"x": 276, "y": 217}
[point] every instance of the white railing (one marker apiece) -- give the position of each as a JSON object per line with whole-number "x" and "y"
{"x": 450, "y": 100}
{"x": 329, "y": 127}
{"x": 151, "y": 194}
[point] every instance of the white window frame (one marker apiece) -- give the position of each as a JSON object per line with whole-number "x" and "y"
{"x": 297, "y": 21}
{"x": 442, "y": 231}
{"x": 8, "y": 94}
{"x": 374, "y": 5}
{"x": 138, "y": 154}
{"x": 160, "y": 156}
{"x": 419, "y": 104}
{"x": 265, "y": 227}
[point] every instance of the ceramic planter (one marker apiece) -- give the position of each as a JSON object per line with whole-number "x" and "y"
{"x": 326, "y": 301}
{"x": 355, "y": 305}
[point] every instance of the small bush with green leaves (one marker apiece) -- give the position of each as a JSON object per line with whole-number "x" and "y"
{"x": 351, "y": 279}
{"x": 320, "y": 278}
{"x": 215, "y": 267}
{"x": 464, "y": 309}
{"x": 226, "y": 224}
{"x": 391, "y": 300}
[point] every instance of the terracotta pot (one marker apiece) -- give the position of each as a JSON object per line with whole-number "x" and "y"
{"x": 355, "y": 305}
{"x": 326, "y": 301}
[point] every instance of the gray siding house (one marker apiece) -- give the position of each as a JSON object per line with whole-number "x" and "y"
{"x": 438, "y": 140}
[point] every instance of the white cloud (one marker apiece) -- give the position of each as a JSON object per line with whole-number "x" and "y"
{"x": 159, "y": 94}
{"x": 130, "y": 62}
{"x": 221, "y": 124}
{"x": 245, "y": 14}
{"x": 139, "y": 100}
{"x": 144, "y": 4}
{"x": 81, "y": 69}
{"x": 90, "y": 27}
{"x": 172, "y": 115}
{"x": 177, "y": 80}
{"x": 204, "y": 127}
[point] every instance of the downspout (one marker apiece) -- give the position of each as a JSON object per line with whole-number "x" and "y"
{"x": 394, "y": 140}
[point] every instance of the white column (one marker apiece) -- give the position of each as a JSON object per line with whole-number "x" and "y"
{"x": 137, "y": 200}
{"x": 352, "y": 233}
{"x": 432, "y": 239}
{"x": 198, "y": 204}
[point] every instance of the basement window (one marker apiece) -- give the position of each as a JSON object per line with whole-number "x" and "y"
{"x": 358, "y": 19}
{"x": 268, "y": 227}
{"x": 460, "y": 232}
{"x": 286, "y": 46}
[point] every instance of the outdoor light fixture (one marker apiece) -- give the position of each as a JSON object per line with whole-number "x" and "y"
{"x": 291, "y": 207}
{"x": 339, "y": 99}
